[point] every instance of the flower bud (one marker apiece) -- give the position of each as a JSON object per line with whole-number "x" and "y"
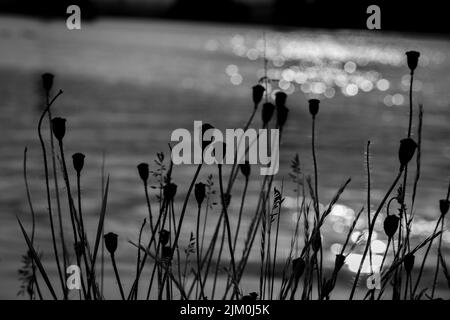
{"x": 169, "y": 191}
{"x": 314, "y": 106}
{"x": 406, "y": 151}
{"x": 111, "y": 242}
{"x": 443, "y": 206}
{"x": 245, "y": 169}
{"x": 78, "y": 161}
{"x": 339, "y": 262}
{"x": 199, "y": 192}
{"x": 298, "y": 267}
{"x": 390, "y": 225}
{"x": 267, "y": 112}
{"x": 258, "y": 92}
{"x": 412, "y": 58}
{"x": 409, "y": 262}
{"x": 280, "y": 99}
{"x": 59, "y": 128}
{"x": 164, "y": 237}
{"x": 143, "y": 171}
{"x": 47, "y": 81}
{"x": 282, "y": 114}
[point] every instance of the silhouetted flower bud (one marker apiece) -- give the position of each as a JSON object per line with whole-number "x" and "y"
{"x": 316, "y": 241}
{"x": 245, "y": 169}
{"x": 390, "y": 225}
{"x": 78, "y": 161}
{"x": 282, "y": 114}
{"x": 412, "y": 58}
{"x": 258, "y": 92}
{"x": 339, "y": 262}
{"x": 280, "y": 99}
{"x": 314, "y": 106}
{"x": 111, "y": 242}
{"x": 164, "y": 237}
{"x": 166, "y": 253}
{"x": 205, "y": 127}
{"x": 250, "y": 297}
{"x": 59, "y": 128}
{"x": 298, "y": 266}
{"x": 47, "y": 81}
{"x": 267, "y": 112}
{"x": 169, "y": 191}
{"x": 143, "y": 171}
{"x": 199, "y": 192}
{"x": 443, "y": 206}
{"x": 409, "y": 262}
{"x": 406, "y": 151}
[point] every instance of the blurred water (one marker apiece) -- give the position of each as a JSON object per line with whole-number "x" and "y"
{"x": 128, "y": 84}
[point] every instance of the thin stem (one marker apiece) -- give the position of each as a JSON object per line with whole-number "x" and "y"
{"x": 372, "y": 226}
{"x": 116, "y": 272}
{"x": 49, "y": 204}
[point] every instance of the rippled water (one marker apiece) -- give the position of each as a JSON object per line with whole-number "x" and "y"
{"x": 128, "y": 84}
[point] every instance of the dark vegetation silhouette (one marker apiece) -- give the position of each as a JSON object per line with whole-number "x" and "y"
{"x": 177, "y": 270}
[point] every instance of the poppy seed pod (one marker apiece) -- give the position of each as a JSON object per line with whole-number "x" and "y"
{"x": 280, "y": 99}
{"x": 164, "y": 237}
{"x": 59, "y": 128}
{"x": 78, "y": 161}
{"x": 111, "y": 242}
{"x": 47, "y": 81}
{"x": 314, "y": 106}
{"x": 443, "y": 206}
{"x": 245, "y": 169}
{"x": 143, "y": 171}
{"x": 298, "y": 267}
{"x": 390, "y": 225}
{"x": 267, "y": 112}
{"x": 169, "y": 191}
{"x": 282, "y": 114}
{"x": 258, "y": 92}
{"x": 409, "y": 262}
{"x": 339, "y": 262}
{"x": 316, "y": 241}
{"x": 412, "y": 57}
{"x": 406, "y": 151}
{"x": 199, "y": 192}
